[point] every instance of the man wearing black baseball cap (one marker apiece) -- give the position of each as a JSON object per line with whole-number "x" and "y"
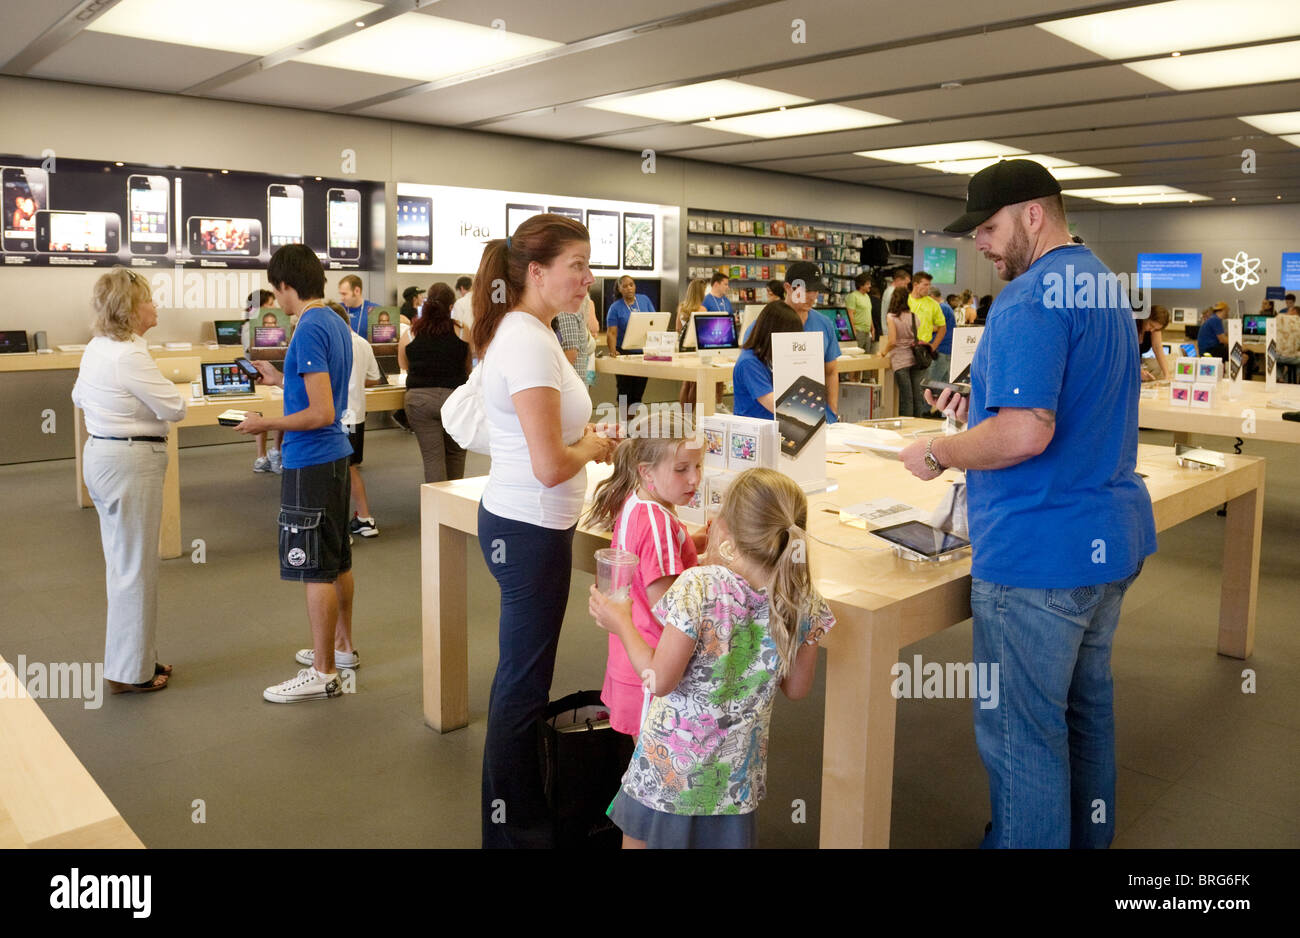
{"x": 803, "y": 282}
{"x": 1059, "y": 520}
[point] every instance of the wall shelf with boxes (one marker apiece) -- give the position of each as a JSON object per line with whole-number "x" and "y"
{"x": 736, "y": 244}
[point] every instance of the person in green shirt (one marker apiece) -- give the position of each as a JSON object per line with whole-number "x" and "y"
{"x": 930, "y": 324}
{"x": 859, "y": 306}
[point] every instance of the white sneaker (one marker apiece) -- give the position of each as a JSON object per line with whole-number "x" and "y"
{"x": 277, "y": 463}
{"x": 310, "y": 684}
{"x": 342, "y": 659}
{"x": 262, "y": 464}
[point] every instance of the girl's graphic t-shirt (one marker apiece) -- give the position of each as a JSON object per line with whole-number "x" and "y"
{"x": 703, "y": 748}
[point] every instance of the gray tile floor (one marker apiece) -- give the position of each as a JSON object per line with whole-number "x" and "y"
{"x": 1202, "y": 764}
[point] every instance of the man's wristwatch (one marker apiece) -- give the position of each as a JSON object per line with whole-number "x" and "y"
{"x": 930, "y": 462}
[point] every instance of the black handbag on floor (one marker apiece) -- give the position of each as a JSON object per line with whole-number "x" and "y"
{"x": 583, "y": 761}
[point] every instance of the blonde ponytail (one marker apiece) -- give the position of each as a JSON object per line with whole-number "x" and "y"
{"x": 767, "y": 516}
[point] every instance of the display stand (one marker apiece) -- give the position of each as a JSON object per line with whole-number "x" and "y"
{"x": 798, "y": 382}
{"x": 1270, "y": 354}
{"x": 965, "y": 339}
{"x": 1236, "y": 369}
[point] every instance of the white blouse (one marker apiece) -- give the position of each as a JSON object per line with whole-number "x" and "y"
{"x": 122, "y": 392}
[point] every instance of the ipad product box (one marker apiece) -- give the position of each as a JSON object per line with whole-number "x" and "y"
{"x": 1208, "y": 370}
{"x": 798, "y": 373}
{"x": 693, "y": 511}
{"x": 1203, "y": 395}
{"x": 716, "y": 482}
{"x": 1180, "y": 395}
{"x": 659, "y": 346}
{"x": 713, "y": 429}
{"x": 1185, "y": 369}
{"x": 751, "y": 443}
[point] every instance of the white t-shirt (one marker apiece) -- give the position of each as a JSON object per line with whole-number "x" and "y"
{"x": 122, "y": 391}
{"x": 462, "y": 311}
{"x": 525, "y": 354}
{"x": 364, "y": 368}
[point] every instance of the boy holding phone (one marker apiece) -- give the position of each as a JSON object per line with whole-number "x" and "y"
{"x": 315, "y": 546}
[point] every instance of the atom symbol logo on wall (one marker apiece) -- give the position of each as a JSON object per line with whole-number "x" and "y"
{"x": 1240, "y": 271}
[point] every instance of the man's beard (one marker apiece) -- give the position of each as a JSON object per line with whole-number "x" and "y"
{"x": 1015, "y": 259}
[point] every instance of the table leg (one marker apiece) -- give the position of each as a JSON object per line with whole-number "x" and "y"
{"x": 169, "y": 535}
{"x": 79, "y": 437}
{"x": 443, "y": 611}
{"x": 1241, "y": 539}
{"x": 704, "y": 392}
{"x": 858, "y": 751}
{"x": 888, "y": 398}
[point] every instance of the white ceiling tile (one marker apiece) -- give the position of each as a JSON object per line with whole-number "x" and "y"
{"x": 311, "y": 86}
{"x": 103, "y": 59}
{"x": 25, "y": 20}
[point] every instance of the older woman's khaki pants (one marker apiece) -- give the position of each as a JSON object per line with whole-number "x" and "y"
{"x": 125, "y": 480}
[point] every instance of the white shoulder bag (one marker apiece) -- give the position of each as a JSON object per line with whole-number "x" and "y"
{"x": 463, "y": 415}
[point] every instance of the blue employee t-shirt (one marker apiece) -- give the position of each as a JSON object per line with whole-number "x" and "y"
{"x": 320, "y": 343}
{"x": 1076, "y": 514}
{"x": 949, "y": 317}
{"x": 752, "y": 380}
{"x": 718, "y": 304}
{"x": 619, "y": 313}
{"x": 1211, "y": 333}
{"x": 816, "y": 322}
{"x": 358, "y": 316}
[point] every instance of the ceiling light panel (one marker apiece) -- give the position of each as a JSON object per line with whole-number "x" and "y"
{"x": 942, "y": 152}
{"x": 424, "y": 48}
{"x": 1293, "y": 139}
{"x": 1154, "y": 199}
{"x": 817, "y": 119}
{"x": 703, "y": 100}
{"x": 1279, "y": 61}
{"x": 1100, "y": 191}
{"x": 253, "y": 27}
{"x": 1179, "y": 25}
{"x": 1285, "y": 122}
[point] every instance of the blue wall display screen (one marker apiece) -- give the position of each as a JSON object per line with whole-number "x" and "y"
{"x": 1171, "y": 271}
{"x": 1291, "y": 270}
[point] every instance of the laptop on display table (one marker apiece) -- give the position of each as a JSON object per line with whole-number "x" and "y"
{"x": 225, "y": 381}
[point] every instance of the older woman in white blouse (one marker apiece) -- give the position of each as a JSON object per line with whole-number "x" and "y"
{"x": 128, "y": 404}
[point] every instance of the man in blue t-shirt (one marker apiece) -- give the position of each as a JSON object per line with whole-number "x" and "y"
{"x": 1059, "y": 520}
{"x": 943, "y": 354}
{"x": 1211, "y": 338}
{"x": 803, "y": 284}
{"x": 620, "y": 311}
{"x": 358, "y": 307}
{"x": 715, "y": 300}
{"x": 315, "y": 546}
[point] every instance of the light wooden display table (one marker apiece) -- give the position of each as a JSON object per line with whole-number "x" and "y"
{"x": 882, "y": 604}
{"x": 203, "y": 414}
{"x": 687, "y": 367}
{"x": 1227, "y": 417}
{"x": 47, "y": 798}
{"x": 64, "y": 361}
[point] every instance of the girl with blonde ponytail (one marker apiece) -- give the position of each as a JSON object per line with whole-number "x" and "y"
{"x": 655, "y": 469}
{"x": 735, "y": 629}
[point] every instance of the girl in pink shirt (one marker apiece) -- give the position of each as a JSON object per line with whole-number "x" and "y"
{"x": 655, "y": 469}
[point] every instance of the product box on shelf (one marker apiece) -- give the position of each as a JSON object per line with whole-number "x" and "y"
{"x": 751, "y": 443}
{"x": 713, "y": 429}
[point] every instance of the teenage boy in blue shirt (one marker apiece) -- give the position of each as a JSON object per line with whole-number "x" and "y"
{"x": 315, "y": 547}
{"x": 1059, "y": 520}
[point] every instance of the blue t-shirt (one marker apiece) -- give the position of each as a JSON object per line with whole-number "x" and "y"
{"x": 718, "y": 304}
{"x": 949, "y": 317}
{"x": 619, "y": 313}
{"x": 320, "y": 343}
{"x": 1211, "y": 334}
{"x": 358, "y": 316}
{"x": 1076, "y": 514}
{"x": 752, "y": 380}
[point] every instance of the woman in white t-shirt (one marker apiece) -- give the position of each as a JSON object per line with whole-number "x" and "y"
{"x": 537, "y": 410}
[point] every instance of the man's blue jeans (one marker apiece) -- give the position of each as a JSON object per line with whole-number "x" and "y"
{"x": 1049, "y": 743}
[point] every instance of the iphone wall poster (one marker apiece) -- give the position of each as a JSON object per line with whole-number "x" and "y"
{"x": 148, "y": 208}
{"x": 78, "y": 232}
{"x": 344, "y": 221}
{"x": 224, "y": 237}
{"x": 25, "y": 192}
{"x": 284, "y": 215}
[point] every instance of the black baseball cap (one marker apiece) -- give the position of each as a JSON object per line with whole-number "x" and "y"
{"x": 1006, "y": 182}
{"x": 411, "y": 293}
{"x": 810, "y": 274}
